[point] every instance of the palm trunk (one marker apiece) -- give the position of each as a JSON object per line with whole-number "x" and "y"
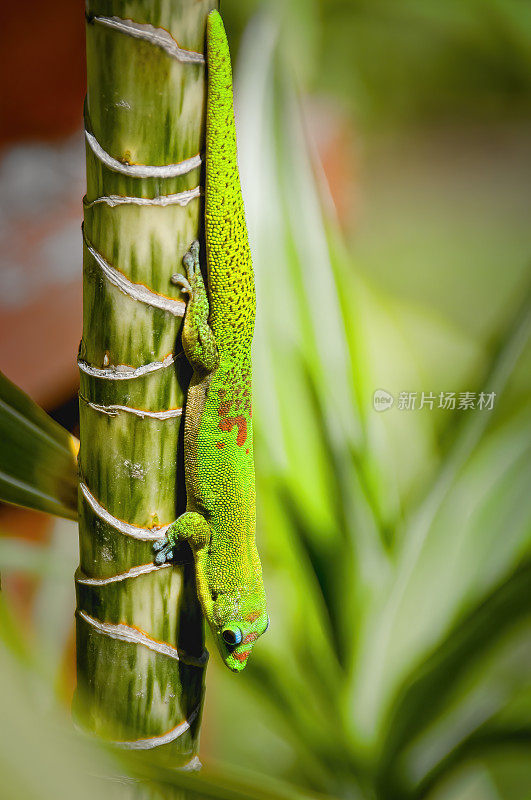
{"x": 140, "y": 645}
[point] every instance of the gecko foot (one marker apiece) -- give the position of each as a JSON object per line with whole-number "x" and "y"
{"x": 164, "y": 551}
{"x": 190, "y": 527}
{"x": 191, "y": 263}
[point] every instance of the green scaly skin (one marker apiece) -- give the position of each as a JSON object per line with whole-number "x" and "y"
{"x": 219, "y": 522}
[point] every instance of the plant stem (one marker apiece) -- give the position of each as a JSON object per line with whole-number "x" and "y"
{"x": 139, "y": 637}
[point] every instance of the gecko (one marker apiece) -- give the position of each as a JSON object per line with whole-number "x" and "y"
{"x": 220, "y": 518}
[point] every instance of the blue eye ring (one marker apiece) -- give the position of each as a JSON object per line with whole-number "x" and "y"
{"x": 232, "y": 636}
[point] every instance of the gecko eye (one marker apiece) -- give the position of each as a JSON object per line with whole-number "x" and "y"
{"x": 231, "y": 636}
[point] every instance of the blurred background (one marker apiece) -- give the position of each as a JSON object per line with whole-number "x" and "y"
{"x": 386, "y": 162}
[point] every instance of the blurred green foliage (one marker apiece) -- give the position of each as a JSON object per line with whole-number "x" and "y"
{"x": 397, "y": 545}
{"x": 395, "y": 62}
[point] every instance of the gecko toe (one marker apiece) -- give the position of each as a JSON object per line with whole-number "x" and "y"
{"x": 165, "y": 554}
{"x": 159, "y": 544}
{"x": 191, "y": 259}
{"x": 180, "y": 280}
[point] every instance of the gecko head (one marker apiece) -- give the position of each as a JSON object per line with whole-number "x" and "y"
{"x": 238, "y": 623}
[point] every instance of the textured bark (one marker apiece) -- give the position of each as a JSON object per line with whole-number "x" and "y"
{"x": 144, "y": 107}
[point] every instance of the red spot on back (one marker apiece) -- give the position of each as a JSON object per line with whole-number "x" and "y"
{"x": 240, "y": 422}
{"x": 224, "y": 408}
{"x": 220, "y": 444}
{"x": 247, "y": 451}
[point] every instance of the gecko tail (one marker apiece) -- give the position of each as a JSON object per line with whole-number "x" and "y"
{"x": 223, "y": 180}
{"x": 230, "y": 272}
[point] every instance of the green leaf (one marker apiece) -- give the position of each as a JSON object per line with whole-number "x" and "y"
{"x": 38, "y": 467}
{"x": 451, "y": 553}
{"x": 218, "y": 782}
{"x": 426, "y": 692}
{"x": 491, "y": 745}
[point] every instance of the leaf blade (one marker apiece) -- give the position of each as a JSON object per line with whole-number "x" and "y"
{"x": 38, "y": 467}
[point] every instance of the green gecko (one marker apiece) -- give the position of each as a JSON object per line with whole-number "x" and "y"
{"x": 219, "y": 522}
